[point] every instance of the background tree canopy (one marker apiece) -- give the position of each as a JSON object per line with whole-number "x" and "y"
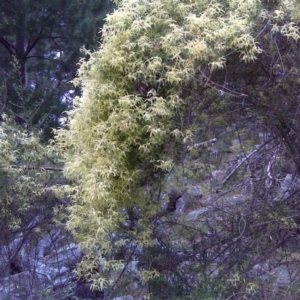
{"x": 43, "y": 40}
{"x": 181, "y": 150}
{"x": 168, "y": 75}
{"x": 40, "y": 45}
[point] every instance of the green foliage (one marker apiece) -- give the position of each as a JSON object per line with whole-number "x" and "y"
{"x": 158, "y": 62}
{"x": 206, "y": 291}
{"x": 25, "y": 175}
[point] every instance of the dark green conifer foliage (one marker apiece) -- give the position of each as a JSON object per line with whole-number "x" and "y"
{"x": 44, "y": 38}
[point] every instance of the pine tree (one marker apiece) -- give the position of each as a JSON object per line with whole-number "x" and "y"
{"x": 44, "y": 39}
{"x": 157, "y": 59}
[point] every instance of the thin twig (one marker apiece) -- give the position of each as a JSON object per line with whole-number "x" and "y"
{"x": 203, "y": 144}
{"x": 245, "y": 159}
{"x": 222, "y": 87}
{"x": 270, "y": 180}
{"x": 48, "y": 168}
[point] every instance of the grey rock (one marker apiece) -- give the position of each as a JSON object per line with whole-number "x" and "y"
{"x": 128, "y": 297}
{"x": 192, "y": 193}
{"x": 180, "y": 206}
{"x": 195, "y": 191}
{"x": 67, "y": 256}
{"x": 287, "y": 182}
{"x": 288, "y": 185}
{"x": 193, "y": 215}
{"x": 43, "y": 265}
{"x": 62, "y": 282}
{"x": 44, "y": 245}
{"x": 217, "y": 175}
{"x": 63, "y": 271}
{"x": 18, "y": 286}
{"x": 46, "y": 273}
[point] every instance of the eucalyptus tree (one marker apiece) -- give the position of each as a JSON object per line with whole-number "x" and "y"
{"x": 162, "y": 67}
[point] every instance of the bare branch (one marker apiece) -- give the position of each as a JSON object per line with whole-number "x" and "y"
{"x": 245, "y": 159}
{"x": 7, "y": 45}
{"x": 42, "y": 168}
{"x": 203, "y": 144}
